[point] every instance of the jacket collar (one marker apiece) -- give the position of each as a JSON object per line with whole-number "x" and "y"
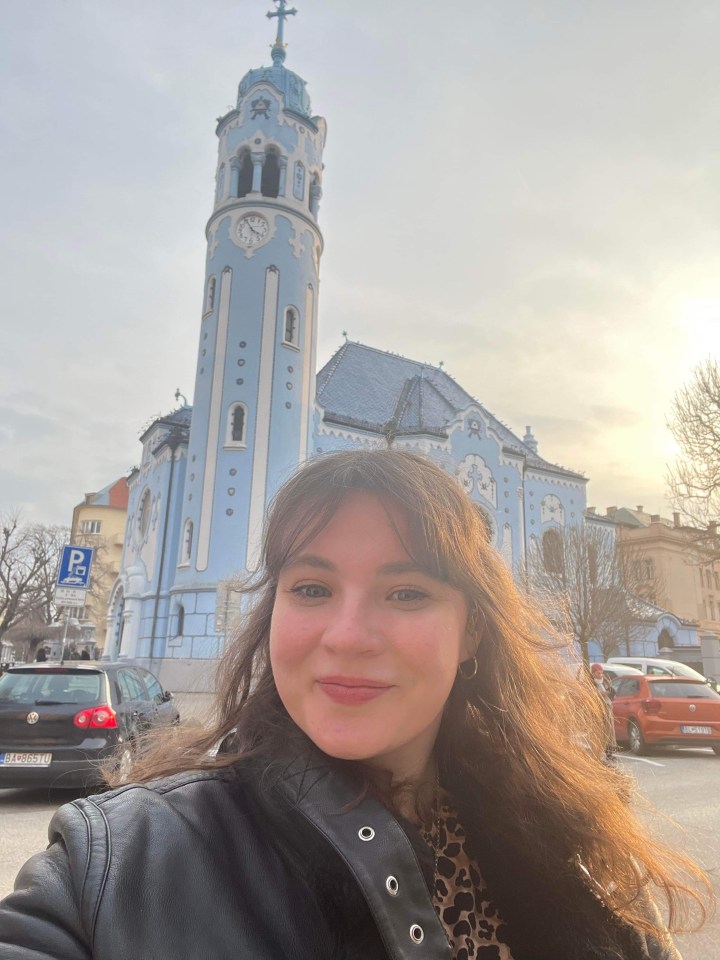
{"x": 376, "y": 850}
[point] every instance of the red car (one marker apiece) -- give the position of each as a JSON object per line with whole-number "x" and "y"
{"x": 658, "y": 711}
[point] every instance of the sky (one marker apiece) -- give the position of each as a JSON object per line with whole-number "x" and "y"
{"x": 528, "y": 191}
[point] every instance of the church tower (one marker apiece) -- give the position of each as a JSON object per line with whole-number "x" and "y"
{"x": 255, "y": 378}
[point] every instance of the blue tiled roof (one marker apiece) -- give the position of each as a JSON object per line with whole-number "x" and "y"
{"x": 385, "y": 393}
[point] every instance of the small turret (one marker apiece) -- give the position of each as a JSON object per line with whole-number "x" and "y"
{"x": 529, "y": 440}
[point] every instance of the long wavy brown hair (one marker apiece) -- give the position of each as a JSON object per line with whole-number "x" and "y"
{"x": 524, "y": 734}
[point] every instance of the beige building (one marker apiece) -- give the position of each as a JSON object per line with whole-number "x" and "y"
{"x": 99, "y": 522}
{"x": 682, "y": 576}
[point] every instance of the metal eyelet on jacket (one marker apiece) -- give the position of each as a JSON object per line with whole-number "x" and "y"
{"x": 417, "y": 934}
{"x": 366, "y": 833}
{"x": 392, "y": 886}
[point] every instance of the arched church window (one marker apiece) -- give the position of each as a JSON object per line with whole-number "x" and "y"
{"x": 144, "y": 514}
{"x": 210, "y": 295}
{"x": 245, "y": 177}
{"x": 291, "y": 332}
{"x": 552, "y": 552}
{"x": 187, "y": 541}
{"x": 270, "y": 183}
{"x": 237, "y": 425}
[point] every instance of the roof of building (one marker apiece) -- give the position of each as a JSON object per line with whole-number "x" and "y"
{"x": 286, "y": 82}
{"x": 381, "y": 392}
{"x": 115, "y": 494}
{"x": 643, "y": 609}
{"x": 179, "y": 418}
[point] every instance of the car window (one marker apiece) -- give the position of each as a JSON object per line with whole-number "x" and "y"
{"x": 683, "y": 670}
{"x": 63, "y": 687}
{"x": 627, "y": 686}
{"x": 130, "y": 685}
{"x": 693, "y": 691}
{"x": 655, "y": 671}
{"x": 154, "y": 689}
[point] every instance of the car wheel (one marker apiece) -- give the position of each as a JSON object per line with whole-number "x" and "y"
{"x": 636, "y": 741}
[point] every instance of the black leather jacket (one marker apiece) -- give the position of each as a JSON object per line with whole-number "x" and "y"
{"x": 241, "y": 864}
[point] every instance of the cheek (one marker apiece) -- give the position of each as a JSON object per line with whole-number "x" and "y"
{"x": 289, "y": 641}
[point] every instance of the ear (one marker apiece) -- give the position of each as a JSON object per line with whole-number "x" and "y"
{"x": 473, "y": 635}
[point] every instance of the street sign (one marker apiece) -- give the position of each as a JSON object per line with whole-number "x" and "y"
{"x": 70, "y": 596}
{"x": 75, "y": 567}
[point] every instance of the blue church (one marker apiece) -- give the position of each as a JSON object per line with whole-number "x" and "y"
{"x": 199, "y": 495}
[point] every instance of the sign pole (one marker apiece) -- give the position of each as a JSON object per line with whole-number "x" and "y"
{"x": 64, "y": 636}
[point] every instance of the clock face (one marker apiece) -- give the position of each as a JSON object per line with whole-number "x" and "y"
{"x": 252, "y": 229}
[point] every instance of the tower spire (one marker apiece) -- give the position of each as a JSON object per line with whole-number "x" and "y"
{"x": 282, "y": 13}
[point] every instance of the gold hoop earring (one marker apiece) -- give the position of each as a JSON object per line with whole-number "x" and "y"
{"x": 472, "y": 671}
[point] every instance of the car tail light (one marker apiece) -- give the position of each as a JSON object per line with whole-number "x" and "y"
{"x": 652, "y": 706}
{"x": 103, "y": 717}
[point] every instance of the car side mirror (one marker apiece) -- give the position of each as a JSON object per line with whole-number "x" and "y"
{"x": 167, "y": 696}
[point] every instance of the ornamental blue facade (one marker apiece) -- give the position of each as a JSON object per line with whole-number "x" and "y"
{"x": 198, "y": 499}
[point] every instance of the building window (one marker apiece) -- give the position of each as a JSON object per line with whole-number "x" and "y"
{"x": 90, "y": 526}
{"x": 210, "y": 295}
{"x": 143, "y": 515}
{"x": 299, "y": 181}
{"x": 245, "y": 178}
{"x": 180, "y": 626}
{"x": 552, "y": 552}
{"x": 649, "y": 569}
{"x": 708, "y": 580}
{"x": 290, "y": 334}
{"x": 711, "y": 606}
{"x": 237, "y": 425}
{"x": 186, "y": 550}
{"x": 270, "y": 182}
{"x": 717, "y": 579}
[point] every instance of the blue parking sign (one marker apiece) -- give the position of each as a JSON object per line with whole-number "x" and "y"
{"x": 75, "y": 567}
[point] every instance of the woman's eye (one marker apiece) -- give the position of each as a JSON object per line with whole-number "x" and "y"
{"x": 408, "y": 595}
{"x": 310, "y": 591}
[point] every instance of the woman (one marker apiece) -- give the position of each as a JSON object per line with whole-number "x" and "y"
{"x": 397, "y": 779}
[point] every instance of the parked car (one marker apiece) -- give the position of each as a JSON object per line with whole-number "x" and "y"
{"x": 613, "y": 670}
{"x": 657, "y": 667}
{"x": 59, "y": 721}
{"x": 654, "y": 710}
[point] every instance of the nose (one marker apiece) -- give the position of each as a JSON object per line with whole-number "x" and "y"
{"x": 352, "y": 629}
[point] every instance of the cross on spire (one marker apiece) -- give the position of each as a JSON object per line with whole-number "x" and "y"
{"x": 282, "y": 13}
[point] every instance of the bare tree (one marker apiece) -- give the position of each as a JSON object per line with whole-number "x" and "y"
{"x": 590, "y": 586}
{"x": 694, "y": 480}
{"x": 29, "y": 558}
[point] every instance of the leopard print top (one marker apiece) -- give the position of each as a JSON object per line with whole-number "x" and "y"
{"x": 464, "y": 905}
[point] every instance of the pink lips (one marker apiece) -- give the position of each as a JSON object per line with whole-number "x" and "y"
{"x": 352, "y": 691}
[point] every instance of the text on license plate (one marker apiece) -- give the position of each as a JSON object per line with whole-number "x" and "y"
{"x": 25, "y": 759}
{"x": 705, "y": 731}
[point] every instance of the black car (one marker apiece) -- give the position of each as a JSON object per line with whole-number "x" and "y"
{"x": 58, "y": 721}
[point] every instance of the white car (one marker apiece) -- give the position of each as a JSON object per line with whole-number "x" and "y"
{"x": 656, "y": 667}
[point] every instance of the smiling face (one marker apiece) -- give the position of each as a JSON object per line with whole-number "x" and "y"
{"x": 364, "y": 645}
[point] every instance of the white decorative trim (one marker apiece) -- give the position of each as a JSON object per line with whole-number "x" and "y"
{"x": 215, "y": 416}
{"x": 308, "y": 381}
{"x": 262, "y": 418}
{"x": 552, "y": 510}
{"x": 475, "y": 475}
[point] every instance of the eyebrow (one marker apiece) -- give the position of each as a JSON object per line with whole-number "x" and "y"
{"x": 321, "y": 563}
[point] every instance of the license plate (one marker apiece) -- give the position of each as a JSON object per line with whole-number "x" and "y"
{"x": 703, "y": 731}
{"x": 25, "y": 759}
